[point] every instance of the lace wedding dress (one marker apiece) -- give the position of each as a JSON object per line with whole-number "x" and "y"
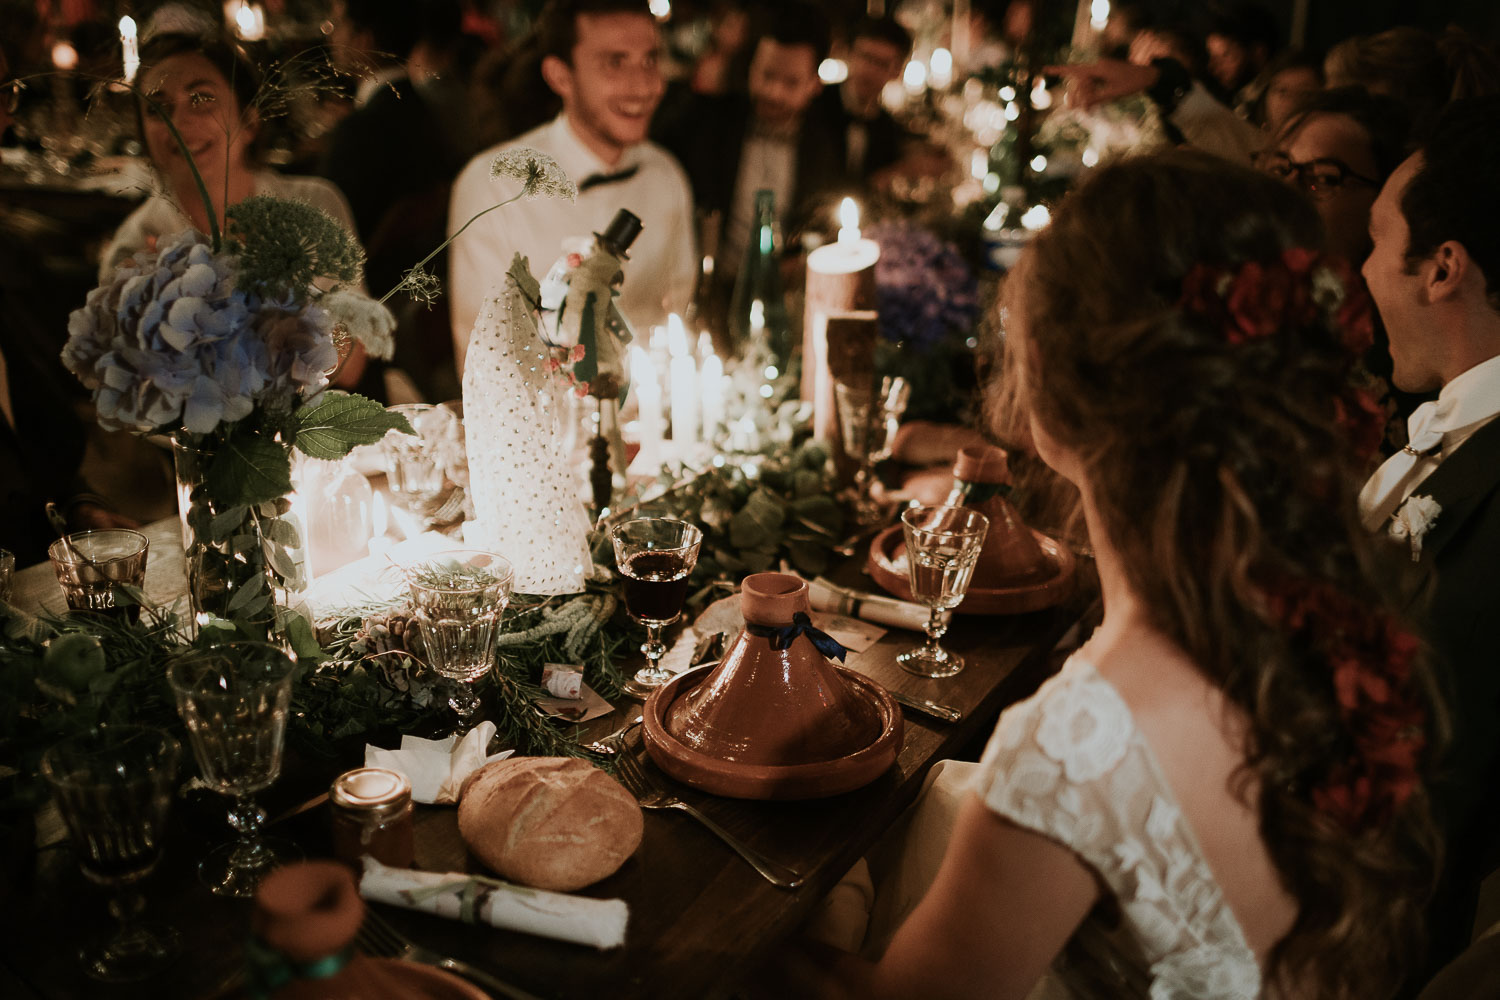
{"x": 1070, "y": 764}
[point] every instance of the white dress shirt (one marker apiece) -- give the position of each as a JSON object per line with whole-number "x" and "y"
{"x": 1463, "y": 406}
{"x": 663, "y": 264}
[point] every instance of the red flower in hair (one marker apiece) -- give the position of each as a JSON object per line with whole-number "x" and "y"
{"x": 1370, "y": 658}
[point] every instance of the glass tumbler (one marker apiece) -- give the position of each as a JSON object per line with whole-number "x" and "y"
{"x": 458, "y": 598}
{"x": 113, "y": 787}
{"x": 92, "y": 566}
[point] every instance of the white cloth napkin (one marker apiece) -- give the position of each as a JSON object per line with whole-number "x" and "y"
{"x": 437, "y": 769}
{"x": 579, "y": 919}
{"x": 829, "y": 596}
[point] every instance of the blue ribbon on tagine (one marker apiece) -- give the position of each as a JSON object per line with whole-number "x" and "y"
{"x": 783, "y": 636}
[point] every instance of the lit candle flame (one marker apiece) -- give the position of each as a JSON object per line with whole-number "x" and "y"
{"x": 1036, "y": 217}
{"x": 848, "y": 221}
{"x": 129, "y": 48}
{"x": 64, "y": 56}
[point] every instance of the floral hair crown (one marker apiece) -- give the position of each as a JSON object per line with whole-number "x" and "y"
{"x": 1300, "y": 287}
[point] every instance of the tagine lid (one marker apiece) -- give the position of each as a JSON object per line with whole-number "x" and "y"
{"x": 773, "y": 723}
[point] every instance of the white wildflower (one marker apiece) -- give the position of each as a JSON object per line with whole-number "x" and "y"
{"x": 538, "y": 173}
{"x": 1413, "y": 520}
{"x": 367, "y": 321}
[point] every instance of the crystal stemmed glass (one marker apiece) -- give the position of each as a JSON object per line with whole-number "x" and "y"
{"x": 415, "y": 466}
{"x": 234, "y": 698}
{"x": 869, "y": 416}
{"x": 655, "y": 555}
{"x": 942, "y": 546}
{"x": 114, "y": 788}
{"x": 457, "y": 598}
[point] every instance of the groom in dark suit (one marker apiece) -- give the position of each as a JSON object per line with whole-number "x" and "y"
{"x": 1434, "y": 274}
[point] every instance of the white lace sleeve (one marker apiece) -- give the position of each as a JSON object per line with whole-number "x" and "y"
{"x": 1070, "y": 764}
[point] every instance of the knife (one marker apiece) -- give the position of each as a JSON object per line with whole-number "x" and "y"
{"x": 943, "y": 713}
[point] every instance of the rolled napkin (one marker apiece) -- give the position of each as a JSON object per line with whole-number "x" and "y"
{"x": 475, "y": 899}
{"x": 437, "y": 769}
{"x": 828, "y": 596}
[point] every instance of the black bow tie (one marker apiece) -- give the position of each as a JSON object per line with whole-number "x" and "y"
{"x": 595, "y": 180}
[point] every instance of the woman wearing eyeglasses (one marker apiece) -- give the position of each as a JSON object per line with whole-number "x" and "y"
{"x": 1339, "y": 147}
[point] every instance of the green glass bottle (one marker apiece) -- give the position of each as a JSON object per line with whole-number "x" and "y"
{"x": 757, "y": 310}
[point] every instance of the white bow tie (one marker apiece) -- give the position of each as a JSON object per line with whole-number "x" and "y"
{"x": 1400, "y": 473}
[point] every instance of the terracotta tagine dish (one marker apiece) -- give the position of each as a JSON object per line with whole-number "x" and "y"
{"x": 769, "y": 723}
{"x": 1019, "y": 569}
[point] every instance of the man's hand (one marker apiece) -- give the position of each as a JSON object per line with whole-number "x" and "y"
{"x": 1105, "y": 80}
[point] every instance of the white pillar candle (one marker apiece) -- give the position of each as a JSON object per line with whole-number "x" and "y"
{"x": 713, "y": 396}
{"x": 684, "y": 386}
{"x": 648, "y": 398}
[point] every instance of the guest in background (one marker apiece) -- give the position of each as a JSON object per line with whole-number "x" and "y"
{"x": 735, "y": 145}
{"x": 390, "y": 146}
{"x": 600, "y": 58}
{"x": 1220, "y": 794}
{"x": 210, "y": 93}
{"x": 1435, "y": 275}
{"x": 1240, "y": 41}
{"x": 1421, "y": 70}
{"x": 1338, "y": 148}
{"x": 1291, "y": 78}
{"x": 872, "y": 141}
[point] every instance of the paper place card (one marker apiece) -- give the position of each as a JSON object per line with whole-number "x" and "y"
{"x": 588, "y": 705}
{"x": 851, "y": 633}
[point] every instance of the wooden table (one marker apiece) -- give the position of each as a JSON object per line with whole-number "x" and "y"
{"x": 700, "y": 918}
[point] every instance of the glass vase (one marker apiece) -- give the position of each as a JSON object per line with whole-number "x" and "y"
{"x": 243, "y": 563}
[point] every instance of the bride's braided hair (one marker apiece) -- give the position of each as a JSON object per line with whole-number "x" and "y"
{"x": 1178, "y": 332}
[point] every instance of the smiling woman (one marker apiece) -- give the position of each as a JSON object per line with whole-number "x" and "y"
{"x": 209, "y": 92}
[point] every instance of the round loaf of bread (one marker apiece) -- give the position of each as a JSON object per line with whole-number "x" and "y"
{"x": 549, "y": 822}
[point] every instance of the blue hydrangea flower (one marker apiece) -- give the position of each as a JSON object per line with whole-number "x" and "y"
{"x": 923, "y": 286}
{"x": 169, "y": 342}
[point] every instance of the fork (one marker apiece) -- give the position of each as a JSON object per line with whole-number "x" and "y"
{"x": 652, "y": 796}
{"x": 380, "y": 939}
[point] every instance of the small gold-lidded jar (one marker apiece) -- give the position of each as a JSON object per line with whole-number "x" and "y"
{"x": 372, "y": 816}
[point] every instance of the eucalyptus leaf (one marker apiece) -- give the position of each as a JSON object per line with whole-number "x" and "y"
{"x": 341, "y": 422}
{"x": 245, "y": 593}
{"x": 283, "y": 563}
{"x": 224, "y": 524}
{"x": 284, "y": 532}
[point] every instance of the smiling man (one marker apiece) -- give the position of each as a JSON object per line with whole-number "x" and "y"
{"x": 1434, "y": 274}
{"x": 600, "y": 58}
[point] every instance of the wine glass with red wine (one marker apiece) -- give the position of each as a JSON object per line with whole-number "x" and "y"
{"x": 655, "y": 555}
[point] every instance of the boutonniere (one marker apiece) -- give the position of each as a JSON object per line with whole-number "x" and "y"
{"x": 1413, "y": 520}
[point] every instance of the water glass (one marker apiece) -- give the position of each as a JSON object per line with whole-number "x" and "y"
{"x": 656, "y": 555}
{"x": 92, "y": 566}
{"x": 869, "y": 416}
{"x": 458, "y": 598}
{"x": 113, "y": 787}
{"x": 415, "y": 466}
{"x": 942, "y": 547}
{"x": 234, "y": 699}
